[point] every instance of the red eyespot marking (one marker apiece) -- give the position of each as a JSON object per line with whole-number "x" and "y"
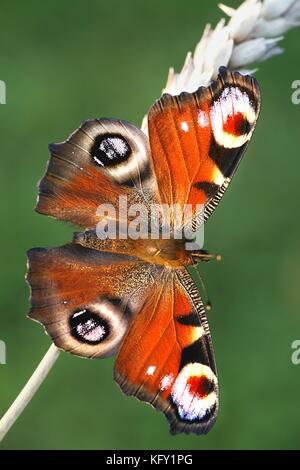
{"x": 200, "y": 386}
{"x": 236, "y": 125}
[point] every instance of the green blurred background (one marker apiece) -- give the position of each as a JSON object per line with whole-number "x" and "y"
{"x": 64, "y": 62}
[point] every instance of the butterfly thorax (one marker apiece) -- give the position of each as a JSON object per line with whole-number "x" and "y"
{"x": 170, "y": 253}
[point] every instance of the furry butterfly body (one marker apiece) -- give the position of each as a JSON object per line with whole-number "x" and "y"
{"x": 133, "y": 297}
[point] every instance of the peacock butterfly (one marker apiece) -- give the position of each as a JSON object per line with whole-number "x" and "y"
{"x": 133, "y": 296}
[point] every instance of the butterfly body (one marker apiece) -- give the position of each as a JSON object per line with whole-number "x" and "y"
{"x": 122, "y": 286}
{"x": 171, "y": 253}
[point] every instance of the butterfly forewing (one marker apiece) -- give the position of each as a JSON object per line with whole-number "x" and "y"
{"x": 197, "y": 139}
{"x": 167, "y": 359}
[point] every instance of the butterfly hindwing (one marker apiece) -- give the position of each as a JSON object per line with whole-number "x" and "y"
{"x": 86, "y": 299}
{"x": 167, "y": 359}
{"x": 99, "y": 162}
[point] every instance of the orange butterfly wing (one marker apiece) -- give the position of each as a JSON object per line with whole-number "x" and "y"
{"x": 99, "y": 162}
{"x": 86, "y": 299}
{"x": 166, "y": 358}
{"x": 197, "y": 139}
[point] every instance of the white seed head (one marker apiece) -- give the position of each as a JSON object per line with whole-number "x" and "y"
{"x": 244, "y": 19}
{"x": 272, "y": 9}
{"x": 251, "y": 35}
{"x": 293, "y": 12}
{"x": 276, "y": 27}
{"x": 251, "y": 51}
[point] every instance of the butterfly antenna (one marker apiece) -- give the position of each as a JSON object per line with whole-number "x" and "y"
{"x": 205, "y": 256}
{"x": 207, "y": 303}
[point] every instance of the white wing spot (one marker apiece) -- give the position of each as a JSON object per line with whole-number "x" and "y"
{"x": 150, "y": 370}
{"x": 91, "y": 331}
{"x": 231, "y": 102}
{"x": 202, "y": 118}
{"x": 98, "y": 161}
{"x": 189, "y": 405}
{"x": 166, "y": 382}
{"x": 79, "y": 313}
{"x": 184, "y": 126}
{"x": 114, "y": 146}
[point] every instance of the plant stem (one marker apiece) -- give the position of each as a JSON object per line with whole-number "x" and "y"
{"x": 28, "y": 391}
